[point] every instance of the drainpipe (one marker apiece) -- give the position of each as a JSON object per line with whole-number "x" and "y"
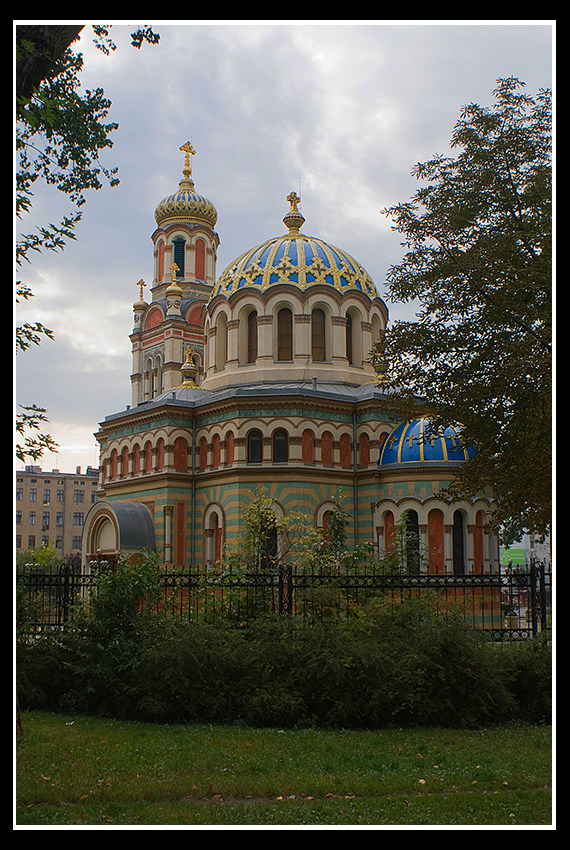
{"x": 193, "y": 502}
{"x": 354, "y": 486}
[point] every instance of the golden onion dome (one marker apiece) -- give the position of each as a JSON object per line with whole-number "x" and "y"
{"x": 294, "y": 259}
{"x": 186, "y": 204}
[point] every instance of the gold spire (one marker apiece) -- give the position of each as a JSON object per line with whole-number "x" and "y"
{"x": 294, "y": 218}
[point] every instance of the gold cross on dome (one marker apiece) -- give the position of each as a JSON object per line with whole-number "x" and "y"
{"x": 293, "y": 199}
{"x": 188, "y": 149}
{"x": 174, "y": 268}
{"x": 141, "y": 284}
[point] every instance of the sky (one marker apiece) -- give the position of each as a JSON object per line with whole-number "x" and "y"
{"x": 338, "y": 111}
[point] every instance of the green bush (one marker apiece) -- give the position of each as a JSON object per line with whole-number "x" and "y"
{"x": 409, "y": 665}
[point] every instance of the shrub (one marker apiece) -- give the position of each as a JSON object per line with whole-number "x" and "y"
{"x": 409, "y": 665}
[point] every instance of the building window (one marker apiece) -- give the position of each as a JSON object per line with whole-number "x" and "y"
{"x": 59, "y": 518}
{"x": 252, "y": 337}
{"x": 33, "y": 495}
{"x": 45, "y": 520}
{"x": 32, "y": 518}
{"x": 280, "y": 446}
{"x": 60, "y": 496}
{"x": 285, "y": 334}
{"x": 47, "y": 496}
{"x": 349, "y": 338}
{"x": 458, "y": 543}
{"x": 78, "y": 496}
{"x": 19, "y": 494}
{"x": 179, "y": 251}
{"x": 412, "y": 542}
{"x": 318, "y": 335}
{"x": 77, "y": 519}
{"x": 200, "y": 260}
{"x": 254, "y": 447}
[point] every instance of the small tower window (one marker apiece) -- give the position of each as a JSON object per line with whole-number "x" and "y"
{"x": 179, "y": 254}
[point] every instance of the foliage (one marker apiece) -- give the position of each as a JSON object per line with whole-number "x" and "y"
{"x": 60, "y": 134}
{"x": 410, "y": 666}
{"x": 478, "y": 262}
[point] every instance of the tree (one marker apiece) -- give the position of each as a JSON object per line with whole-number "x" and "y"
{"x": 60, "y": 133}
{"x": 478, "y": 261}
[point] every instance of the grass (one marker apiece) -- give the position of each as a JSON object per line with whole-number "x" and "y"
{"x": 90, "y": 771}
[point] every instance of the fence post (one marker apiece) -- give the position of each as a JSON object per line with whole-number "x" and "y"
{"x": 285, "y": 589}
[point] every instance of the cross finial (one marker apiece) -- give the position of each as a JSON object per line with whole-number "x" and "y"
{"x": 293, "y": 199}
{"x": 141, "y": 284}
{"x": 174, "y": 268}
{"x": 188, "y": 149}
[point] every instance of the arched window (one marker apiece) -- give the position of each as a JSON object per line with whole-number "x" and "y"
{"x": 216, "y": 451}
{"x": 136, "y": 459}
{"x": 412, "y": 542}
{"x": 254, "y": 446}
{"x": 345, "y": 453}
{"x": 354, "y": 341}
{"x": 160, "y": 260}
{"x": 364, "y": 450}
{"x": 180, "y": 454}
{"x": 458, "y": 543}
{"x": 203, "y": 453}
{"x": 252, "y": 337}
{"x": 327, "y": 449}
{"x": 125, "y": 462}
{"x": 230, "y": 448}
{"x": 285, "y": 334}
{"x": 179, "y": 252}
{"x": 148, "y": 457}
{"x": 160, "y": 454}
{"x": 114, "y": 463}
{"x": 280, "y": 446}
{"x": 318, "y": 346}
{"x": 200, "y": 260}
{"x": 349, "y": 353}
{"x": 436, "y": 541}
{"x": 221, "y": 341}
{"x": 308, "y": 446}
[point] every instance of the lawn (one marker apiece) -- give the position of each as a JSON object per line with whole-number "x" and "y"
{"x": 76, "y": 770}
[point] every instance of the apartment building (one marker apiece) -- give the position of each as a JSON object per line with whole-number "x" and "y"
{"x": 51, "y": 507}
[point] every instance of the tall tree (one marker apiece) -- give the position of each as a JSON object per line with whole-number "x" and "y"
{"x": 478, "y": 262}
{"x": 60, "y": 132}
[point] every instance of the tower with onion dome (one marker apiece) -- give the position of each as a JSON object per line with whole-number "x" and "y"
{"x": 184, "y": 272}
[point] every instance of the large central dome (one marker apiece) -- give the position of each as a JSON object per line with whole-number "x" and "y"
{"x": 295, "y": 259}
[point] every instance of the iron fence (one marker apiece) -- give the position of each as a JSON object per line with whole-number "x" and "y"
{"x": 508, "y": 605}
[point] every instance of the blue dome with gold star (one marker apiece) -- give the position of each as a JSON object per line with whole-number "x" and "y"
{"x": 418, "y": 442}
{"x": 295, "y": 259}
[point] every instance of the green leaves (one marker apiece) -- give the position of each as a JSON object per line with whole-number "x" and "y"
{"x": 478, "y": 262}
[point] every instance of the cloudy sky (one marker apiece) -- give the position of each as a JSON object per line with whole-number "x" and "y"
{"x": 338, "y": 110}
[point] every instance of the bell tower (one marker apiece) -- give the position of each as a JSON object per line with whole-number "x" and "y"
{"x": 184, "y": 272}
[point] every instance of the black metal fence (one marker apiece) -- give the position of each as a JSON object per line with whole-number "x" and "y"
{"x": 509, "y": 605}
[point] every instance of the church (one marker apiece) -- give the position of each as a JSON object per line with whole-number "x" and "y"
{"x": 261, "y": 379}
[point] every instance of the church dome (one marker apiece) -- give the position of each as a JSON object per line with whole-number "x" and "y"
{"x": 416, "y": 442}
{"x": 186, "y": 204}
{"x": 295, "y": 259}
